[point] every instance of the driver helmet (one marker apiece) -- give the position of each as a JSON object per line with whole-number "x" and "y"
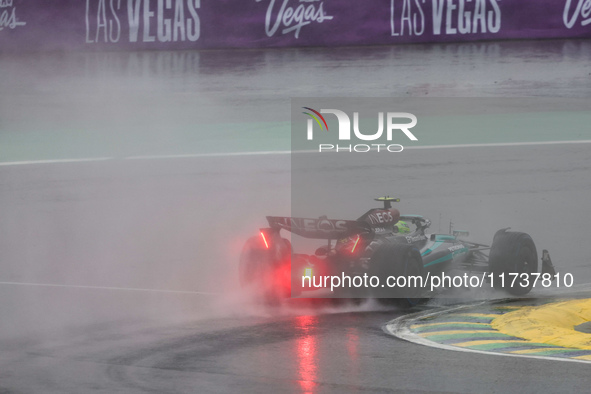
{"x": 402, "y": 227}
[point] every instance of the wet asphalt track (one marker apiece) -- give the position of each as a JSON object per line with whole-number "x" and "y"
{"x": 304, "y": 354}
{"x": 157, "y": 224}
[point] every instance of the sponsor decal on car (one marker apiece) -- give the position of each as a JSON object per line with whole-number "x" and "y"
{"x": 379, "y": 217}
{"x": 455, "y": 247}
{"x": 416, "y": 238}
{"x": 310, "y": 224}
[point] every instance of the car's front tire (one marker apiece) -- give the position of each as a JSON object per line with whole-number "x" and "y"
{"x": 513, "y": 253}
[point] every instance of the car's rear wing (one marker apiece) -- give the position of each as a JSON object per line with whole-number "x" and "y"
{"x": 321, "y": 228}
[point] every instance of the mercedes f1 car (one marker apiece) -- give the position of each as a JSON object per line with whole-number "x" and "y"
{"x": 380, "y": 245}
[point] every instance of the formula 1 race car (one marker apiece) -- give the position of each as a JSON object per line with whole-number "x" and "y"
{"x": 381, "y": 244}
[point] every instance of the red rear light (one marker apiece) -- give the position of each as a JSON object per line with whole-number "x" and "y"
{"x": 351, "y": 245}
{"x": 264, "y": 240}
{"x": 355, "y": 243}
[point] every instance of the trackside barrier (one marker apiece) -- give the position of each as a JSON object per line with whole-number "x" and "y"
{"x": 202, "y": 24}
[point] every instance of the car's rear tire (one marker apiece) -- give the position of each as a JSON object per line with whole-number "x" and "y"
{"x": 397, "y": 260}
{"x": 512, "y": 253}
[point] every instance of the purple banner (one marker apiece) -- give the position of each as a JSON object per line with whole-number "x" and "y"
{"x": 200, "y": 24}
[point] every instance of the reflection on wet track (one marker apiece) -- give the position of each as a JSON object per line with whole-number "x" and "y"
{"x": 306, "y": 352}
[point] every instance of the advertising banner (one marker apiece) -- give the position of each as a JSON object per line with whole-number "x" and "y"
{"x": 202, "y": 24}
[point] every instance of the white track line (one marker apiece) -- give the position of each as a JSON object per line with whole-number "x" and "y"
{"x": 499, "y": 144}
{"x": 399, "y": 328}
{"x": 286, "y": 152}
{"x": 17, "y": 163}
{"x": 197, "y": 155}
{"x": 107, "y": 288}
